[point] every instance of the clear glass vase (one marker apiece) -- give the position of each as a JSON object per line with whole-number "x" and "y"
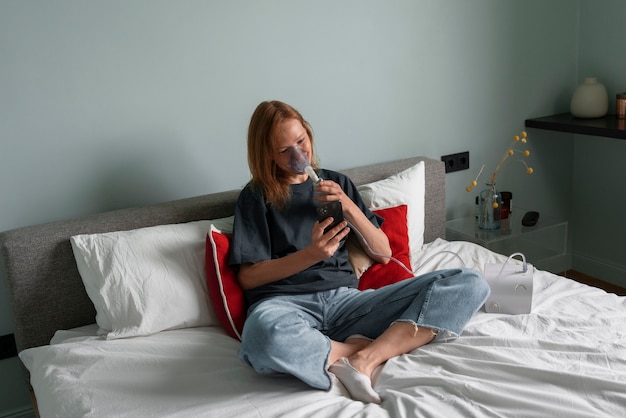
{"x": 489, "y": 202}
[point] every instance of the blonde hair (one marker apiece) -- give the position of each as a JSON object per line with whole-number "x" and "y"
{"x": 266, "y": 175}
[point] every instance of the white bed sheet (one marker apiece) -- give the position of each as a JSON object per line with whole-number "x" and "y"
{"x": 565, "y": 359}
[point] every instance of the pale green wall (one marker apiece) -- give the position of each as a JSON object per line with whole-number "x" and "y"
{"x": 600, "y": 163}
{"x": 110, "y": 104}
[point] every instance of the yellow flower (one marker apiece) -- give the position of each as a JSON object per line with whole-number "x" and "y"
{"x": 510, "y": 152}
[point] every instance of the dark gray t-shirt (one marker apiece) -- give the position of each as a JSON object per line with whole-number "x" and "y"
{"x": 261, "y": 233}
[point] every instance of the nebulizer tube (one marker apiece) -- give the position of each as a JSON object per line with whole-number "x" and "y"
{"x": 299, "y": 162}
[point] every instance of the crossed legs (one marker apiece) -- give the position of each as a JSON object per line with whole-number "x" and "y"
{"x": 281, "y": 334}
{"x": 354, "y": 361}
{"x": 400, "y": 338}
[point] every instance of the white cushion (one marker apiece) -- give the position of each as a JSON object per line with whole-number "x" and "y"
{"x": 404, "y": 188}
{"x": 147, "y": 280}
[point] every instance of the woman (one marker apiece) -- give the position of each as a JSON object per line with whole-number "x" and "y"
{"x": 306, "y": 317}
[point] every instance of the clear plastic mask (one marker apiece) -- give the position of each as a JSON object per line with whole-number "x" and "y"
{"x": 299, "y": 162}
{"x": 299, "y": 159}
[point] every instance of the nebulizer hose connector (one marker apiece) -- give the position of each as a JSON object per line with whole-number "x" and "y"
{"x": 299, "y": 162}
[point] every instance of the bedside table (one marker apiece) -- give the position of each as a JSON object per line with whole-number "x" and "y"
{"x": 543, "y": 245}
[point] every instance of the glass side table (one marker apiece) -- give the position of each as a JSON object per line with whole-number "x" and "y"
{"x": 543, "y": 245}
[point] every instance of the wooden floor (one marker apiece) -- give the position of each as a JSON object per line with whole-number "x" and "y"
{"x": 592, "y": 281}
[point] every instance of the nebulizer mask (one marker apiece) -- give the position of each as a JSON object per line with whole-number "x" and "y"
{"x": 299, "y": 162}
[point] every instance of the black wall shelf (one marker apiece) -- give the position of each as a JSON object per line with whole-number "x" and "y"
{"x": 609, "y": 126}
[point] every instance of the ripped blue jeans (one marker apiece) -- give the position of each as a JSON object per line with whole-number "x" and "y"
{"x": 291, "y": 334}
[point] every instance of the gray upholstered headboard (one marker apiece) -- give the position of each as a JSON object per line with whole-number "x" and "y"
{"x": 46, "y": 291}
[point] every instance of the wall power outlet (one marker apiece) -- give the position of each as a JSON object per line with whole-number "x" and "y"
{"x": 456, "y": 162}
{"x": 7, "y": 346}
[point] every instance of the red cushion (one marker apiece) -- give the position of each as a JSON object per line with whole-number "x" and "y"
{"x": 228, "y": 298}
{"x": 395, "y": 227}
{"x": 226, "y": 294}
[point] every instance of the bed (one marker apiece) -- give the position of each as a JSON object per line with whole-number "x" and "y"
{"x": 566, "y": 358}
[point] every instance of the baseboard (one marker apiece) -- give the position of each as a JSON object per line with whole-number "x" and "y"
{"x": 19, "y": 413}
{"x": 594, "y": 267}
{"x": 593, "y": 281}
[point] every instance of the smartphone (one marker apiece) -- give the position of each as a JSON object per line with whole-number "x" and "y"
{"x": 333, "y": 209}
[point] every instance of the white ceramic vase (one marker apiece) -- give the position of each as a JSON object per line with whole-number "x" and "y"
{"x": 590, "y": 99}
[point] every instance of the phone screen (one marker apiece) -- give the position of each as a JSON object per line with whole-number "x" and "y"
{"x": 333, "y": 209}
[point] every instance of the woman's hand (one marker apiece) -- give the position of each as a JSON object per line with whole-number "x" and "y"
{"x": 329, "y": 191}
{"x": 324, "y": 245}
{"x": 373, "y": 240}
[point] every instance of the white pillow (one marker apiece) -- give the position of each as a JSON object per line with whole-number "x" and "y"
{"x": 404, "y": 188}
{"x": 147, "y": 280}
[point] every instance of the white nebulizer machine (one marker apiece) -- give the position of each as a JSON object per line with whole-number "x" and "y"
{"x": 511, "y": 286}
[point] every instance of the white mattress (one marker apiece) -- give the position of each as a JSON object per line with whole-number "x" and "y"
{"x": 565, "y": 359}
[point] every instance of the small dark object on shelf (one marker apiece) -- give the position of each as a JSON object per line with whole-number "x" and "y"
{"x": 530, "y": 218}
